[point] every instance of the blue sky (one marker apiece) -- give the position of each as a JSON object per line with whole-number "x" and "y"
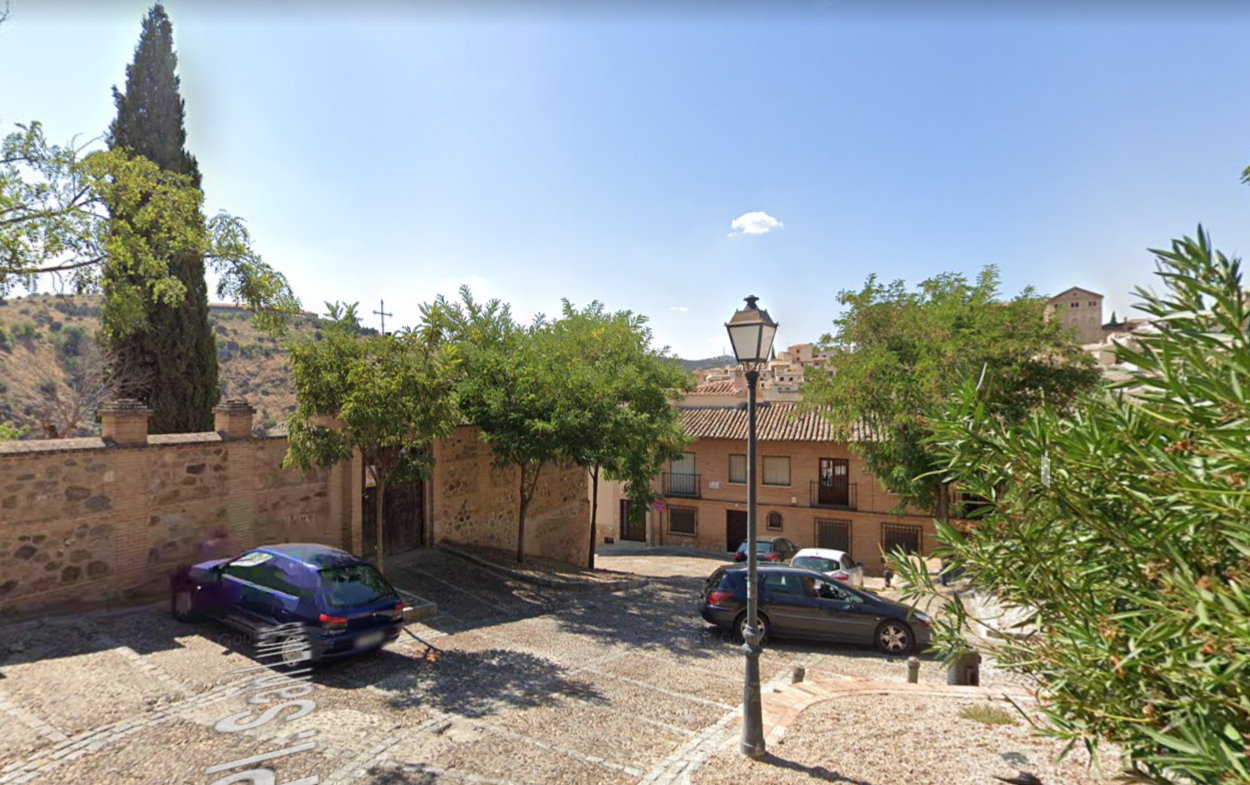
{"x": 547, "y": 153}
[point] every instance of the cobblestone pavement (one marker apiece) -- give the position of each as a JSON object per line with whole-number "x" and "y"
{"x": 510, "y": 683}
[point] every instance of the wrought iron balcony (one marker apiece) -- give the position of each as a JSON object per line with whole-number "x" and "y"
{"x": 680, "y": 484}
{"x": 831, "y": 497}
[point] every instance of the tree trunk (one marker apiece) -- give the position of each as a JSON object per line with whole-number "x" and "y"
{"x": 377, "y": 521}
{"x": 594, "y": 515}
{"x": 520, "y": 529}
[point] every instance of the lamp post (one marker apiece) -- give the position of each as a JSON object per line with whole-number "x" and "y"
{"x": 751, "y": 332}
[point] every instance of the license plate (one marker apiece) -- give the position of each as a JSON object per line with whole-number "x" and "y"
{"x": 369, "y": 639}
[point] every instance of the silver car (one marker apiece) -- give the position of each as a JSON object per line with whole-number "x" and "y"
{"x": 833, "y": 563}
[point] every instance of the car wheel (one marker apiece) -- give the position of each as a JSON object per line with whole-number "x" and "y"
{"x": 740, "y": 626}
{"x": 893, "y": 637}
{"x": 182, "y": 606}
{"x": 294, "y": 652}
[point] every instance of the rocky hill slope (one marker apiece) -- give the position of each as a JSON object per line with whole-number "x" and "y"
{"x": 51, "y": 376}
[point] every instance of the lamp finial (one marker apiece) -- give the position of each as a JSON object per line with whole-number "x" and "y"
{"x": 751, "y": 300}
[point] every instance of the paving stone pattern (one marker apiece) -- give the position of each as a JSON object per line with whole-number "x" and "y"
{"x": 510, "y": 683}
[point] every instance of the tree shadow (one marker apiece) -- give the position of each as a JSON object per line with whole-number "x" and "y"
{"x": 465, "y": 683}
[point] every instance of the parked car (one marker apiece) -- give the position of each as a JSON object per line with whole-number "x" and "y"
{"x": 794, "y": 602}
{"x": 343, "y": 603}
{"x": 833, "y": 563}
{"x": 768, "y": 549}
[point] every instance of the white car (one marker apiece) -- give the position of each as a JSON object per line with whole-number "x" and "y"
{"x": 835, "y": 564}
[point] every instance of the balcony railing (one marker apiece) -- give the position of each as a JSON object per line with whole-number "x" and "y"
{"x": 679, "y": 484}
{"x": 833, "y": 498}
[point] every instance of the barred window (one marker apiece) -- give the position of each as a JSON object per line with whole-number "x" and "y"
{"x": 776, "y": 470}
{"x": 900, "y": 535}
{"x": 682, "y": 520}
{"x": 774, "y": 520}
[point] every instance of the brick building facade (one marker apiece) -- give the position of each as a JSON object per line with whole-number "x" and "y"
{"x": 811, "y": 488}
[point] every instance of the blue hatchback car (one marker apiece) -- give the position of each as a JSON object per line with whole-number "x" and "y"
{"x": 338, "y": 603}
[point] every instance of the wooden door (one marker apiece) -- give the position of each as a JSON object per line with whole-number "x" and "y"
{"x": 633, "y": 522}
{"x": 735, "y": 528}
{"x": 835, "y": 484}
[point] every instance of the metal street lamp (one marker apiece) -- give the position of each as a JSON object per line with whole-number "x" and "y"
{"x": 751, "y": 332}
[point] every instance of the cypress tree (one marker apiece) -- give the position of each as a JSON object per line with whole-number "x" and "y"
{"x": 171, "y": 363}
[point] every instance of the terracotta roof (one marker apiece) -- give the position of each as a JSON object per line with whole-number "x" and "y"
{"x": 723, "y": 387}
{"x": 775, "y": 422}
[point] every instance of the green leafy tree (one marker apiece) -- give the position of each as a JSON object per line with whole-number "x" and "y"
{"x": 55, "y": 204}
{"x": 1118, "y": 533}
{"x": 619, "y": 421}
{"x": 896, "y": 356}
{"x": 173, "y": 345}
{"x": 388, "y": 396}
{"x": 511, "y": 386}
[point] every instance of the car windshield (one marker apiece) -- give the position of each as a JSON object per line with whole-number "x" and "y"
{"x": 763, "y": 547}
{"x": 354, "y": 585}
{"x": 816, "y": 563}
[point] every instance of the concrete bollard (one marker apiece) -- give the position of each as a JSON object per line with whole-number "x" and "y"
{"x": 913, "y": 670}
{"x": 799, "y": 673}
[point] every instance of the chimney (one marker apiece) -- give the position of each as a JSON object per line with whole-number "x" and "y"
{"x": 233, "y": 419}
{"x": 124, "y": 422}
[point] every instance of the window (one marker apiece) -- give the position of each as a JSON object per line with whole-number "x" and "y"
{"x": 900, "y": 535}
{"x": 737, "y": 468}
{"x": 1093, "y": 304}
{"x": 682, "y": 520}
{"x": 833, "y": 534}
{"x": 776, "y": 470}
{"x": 354, "y": 585}
{"x": 774, "y": 520}
{"x": 782, "y": 583}
{"x": 1074, "y": 304}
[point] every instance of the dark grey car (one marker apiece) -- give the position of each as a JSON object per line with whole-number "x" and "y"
{"x": 800, "y": 603}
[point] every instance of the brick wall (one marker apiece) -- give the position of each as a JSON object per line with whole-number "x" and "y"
{"x": 793, "y": 502}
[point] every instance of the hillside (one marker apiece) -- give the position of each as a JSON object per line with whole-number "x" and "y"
{"x": 710, "y": 362}
{"x": 50, "y": 368}
{"x": 51, "y": 371}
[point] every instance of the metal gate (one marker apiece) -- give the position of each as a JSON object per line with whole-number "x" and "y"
{"x": 403, "y": 519}
{"x": 833, "y": 534}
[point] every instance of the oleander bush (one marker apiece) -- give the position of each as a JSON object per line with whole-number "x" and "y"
{"x": 1121, "y": 534}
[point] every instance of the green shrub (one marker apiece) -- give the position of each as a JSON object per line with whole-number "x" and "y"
{"x": 986, "y": 714}
{"x": 1121, "y": 534}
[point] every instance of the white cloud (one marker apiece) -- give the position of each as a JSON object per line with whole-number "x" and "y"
{"x": 758, "y": 222}
{"x": 681, "y": 308}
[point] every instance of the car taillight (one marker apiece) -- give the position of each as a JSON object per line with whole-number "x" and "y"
{"x": 332, "y": 622}
{"x": 840, "y": 576}
{"x": 772, "y": 557}
{"x": 398, "y": 610}
{"x": 718, "y": 597}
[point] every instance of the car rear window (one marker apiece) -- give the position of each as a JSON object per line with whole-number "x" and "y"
{"x": 354, "y": 585}
{"x": 816, "y": 563}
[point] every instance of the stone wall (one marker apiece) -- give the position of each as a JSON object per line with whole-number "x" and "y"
{"x": 84, "y": 523}
{"x": 475, "y": 503}
{"x": 102, "y": 521}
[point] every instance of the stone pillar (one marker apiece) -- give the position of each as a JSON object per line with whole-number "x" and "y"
{"x": 124, "y": 422}
{"x": 233, "y": 419}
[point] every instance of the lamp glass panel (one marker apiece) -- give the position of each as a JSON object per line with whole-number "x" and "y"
{"x": 745, "y": 340}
